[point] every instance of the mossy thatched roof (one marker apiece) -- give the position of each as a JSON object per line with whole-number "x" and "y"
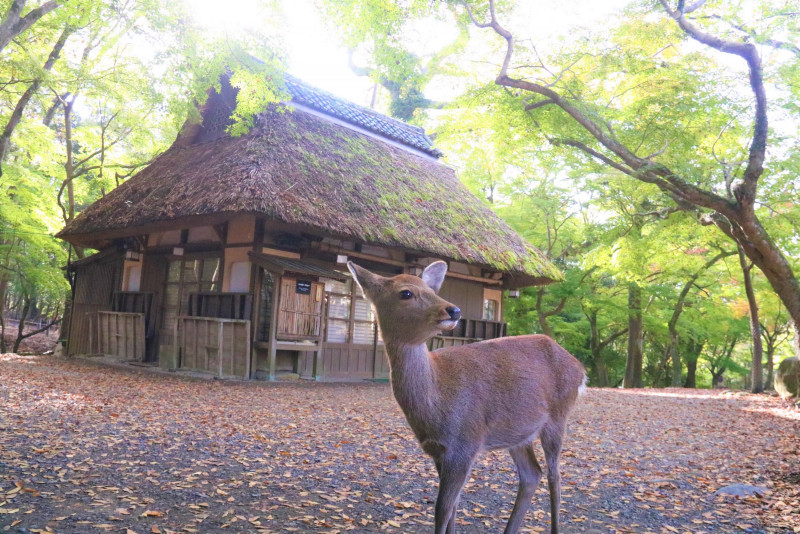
{"x": 301, "y": 169}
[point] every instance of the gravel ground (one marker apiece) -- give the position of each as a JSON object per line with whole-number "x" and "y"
{"x": 92, "y": 448}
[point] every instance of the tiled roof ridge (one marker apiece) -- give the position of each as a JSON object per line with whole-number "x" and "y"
{"x": 367, "y": 118}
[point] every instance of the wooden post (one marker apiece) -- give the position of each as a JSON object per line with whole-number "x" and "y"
{"x": 256, "y": 281}
{"x": 141, "y": 339}
{"x": 273, "y": 328}
{"x": 91, "y": 333}
{"x": 176, "y": 354}
{"x": 220, "y": 329}
{"x": 247, "y": 352}
{"x": 374, "y": 350}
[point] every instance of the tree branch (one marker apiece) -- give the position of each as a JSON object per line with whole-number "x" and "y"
{"x": 746, "y": 191}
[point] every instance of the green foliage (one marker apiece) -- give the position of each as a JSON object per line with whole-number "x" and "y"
{"x": 127, "y": 78}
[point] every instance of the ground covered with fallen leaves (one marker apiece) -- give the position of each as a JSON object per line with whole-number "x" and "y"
{"x": 91, "y": 448}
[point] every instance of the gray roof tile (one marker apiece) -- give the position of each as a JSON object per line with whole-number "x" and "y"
{"x": 382, "y": 125}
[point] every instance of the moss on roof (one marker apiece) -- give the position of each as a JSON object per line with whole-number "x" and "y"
{"x": 299, "y": 168}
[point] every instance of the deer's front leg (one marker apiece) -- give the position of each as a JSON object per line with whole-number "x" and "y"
{"x": 453, "y": 473}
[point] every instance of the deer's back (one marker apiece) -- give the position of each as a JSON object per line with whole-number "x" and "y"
{"x": 508, "y": 385}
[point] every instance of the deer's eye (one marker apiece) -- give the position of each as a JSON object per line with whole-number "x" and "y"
{"x": 406, "y": 294}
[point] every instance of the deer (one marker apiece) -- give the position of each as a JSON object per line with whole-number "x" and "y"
{"x": 459, "y": 401}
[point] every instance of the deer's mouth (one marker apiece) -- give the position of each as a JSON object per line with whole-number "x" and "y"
{"x": 448, "y": 324}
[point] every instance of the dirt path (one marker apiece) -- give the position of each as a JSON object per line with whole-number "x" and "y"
{"x": 85, "y": 448}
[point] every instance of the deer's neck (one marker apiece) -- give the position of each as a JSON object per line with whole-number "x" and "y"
{"x": 413, "y": 382}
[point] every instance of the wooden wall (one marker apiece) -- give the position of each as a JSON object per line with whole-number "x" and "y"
{"x": 346, "y": 361}
{"x": 219, "y": 346}
{"x": 154, "y": 274}
{"x": 95, "y": 284}
{"x": 466, "y": 295}
{"x": 118, "y": 334}
{"x": 300, "y": 315}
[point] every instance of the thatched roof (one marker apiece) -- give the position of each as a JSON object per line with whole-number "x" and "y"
{"x": 301, "y": 169}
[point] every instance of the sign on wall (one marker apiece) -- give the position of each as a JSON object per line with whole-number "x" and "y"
{"x": 303, "y": 287}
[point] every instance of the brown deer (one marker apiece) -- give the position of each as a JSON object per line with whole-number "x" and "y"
{"x": 497, "y": 394}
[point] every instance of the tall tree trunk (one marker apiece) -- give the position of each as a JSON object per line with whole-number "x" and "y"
{"x": 693, "y": 350}
{"x": 601, "y": 369}
{"x": 633, "y": 365}
{"x": 770, "y": 382}
{"x": 26, "y": 307}
{"x": 757, "y": 371}
{"x": 594, "y": 348}
{"x": 691, "y": 374}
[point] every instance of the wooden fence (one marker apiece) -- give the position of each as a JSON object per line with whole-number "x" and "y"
{"x": 219, "y": 346}
{"x": 118, "y": 334}
{"x": 441, "y": 342}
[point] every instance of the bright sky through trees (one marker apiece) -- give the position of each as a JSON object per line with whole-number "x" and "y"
{"x": 316, "y": 55}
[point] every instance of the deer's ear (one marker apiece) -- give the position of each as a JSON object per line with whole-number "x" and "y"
{"x": 433, "y": 275}
{"x": 363, "y": 277}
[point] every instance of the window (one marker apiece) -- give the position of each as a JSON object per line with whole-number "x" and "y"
{"x": 489, "y": 310}
{"x": 339, "y": 301}
{"x": 351, "y": 318}
{"x": 186, "y": 276}
{"x": 240, "y": 277}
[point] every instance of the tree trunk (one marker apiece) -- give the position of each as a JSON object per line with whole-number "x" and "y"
{"x": 14, "y": 24}
{"x": 716, "y": 377}
{"x": 757, "y": 371}
{"x": 596, "y": 349}
{"x": 633, "y": 365}
{"x": 541, "y": 316}
{"x": 2, "y": 331}
{"x": 26, "y": 307}
{"x": 602, "y": 371}
{"x": 691, "y": 373}
{"x": 692, "y": 354}
{"x": 797, "y": 339}
{"x": 770, "y": 382}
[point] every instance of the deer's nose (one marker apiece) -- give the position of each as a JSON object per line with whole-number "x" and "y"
{"x": 454, "y": 312}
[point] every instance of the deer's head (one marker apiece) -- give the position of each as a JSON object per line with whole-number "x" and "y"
{"x": 408, "y": 308}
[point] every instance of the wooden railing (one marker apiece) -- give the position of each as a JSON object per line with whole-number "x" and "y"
{"x": 118, "y": 334}
{"x": 469, "y": 331}
{"x": 219, "y": 346}
{"x": 220, "y": 305}
{"x": 479, "y": 329}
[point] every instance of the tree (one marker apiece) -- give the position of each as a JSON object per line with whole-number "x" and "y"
{"x": 776, "y": 331}
{"x": 736, "y": 219}
{"x": 640, "y": 99}
{"x": 672, "y": 352}
{"x": 83, "y": 105}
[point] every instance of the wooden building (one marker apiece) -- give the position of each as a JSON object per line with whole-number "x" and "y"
{"x": 226, "y": 254}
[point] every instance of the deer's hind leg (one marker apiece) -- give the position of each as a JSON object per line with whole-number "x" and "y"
{"x": 530, "y": 473}
{"x": 552, "y": 437}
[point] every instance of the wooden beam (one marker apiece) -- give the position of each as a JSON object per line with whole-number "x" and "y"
{"x": 370, "y": 257}
{"x": 460, "y": 276}
{"x": 281, "y": 253}
{"x": 222, "y": 231}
